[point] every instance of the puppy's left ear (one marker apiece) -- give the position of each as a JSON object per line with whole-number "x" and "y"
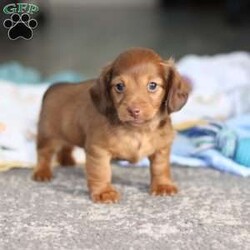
{"x": 178, "y": 89}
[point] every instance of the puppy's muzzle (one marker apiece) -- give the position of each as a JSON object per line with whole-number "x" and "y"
{"x": 134, "y": 112}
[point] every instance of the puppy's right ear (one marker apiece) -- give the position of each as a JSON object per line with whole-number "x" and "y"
{"x": 100, "y": 92}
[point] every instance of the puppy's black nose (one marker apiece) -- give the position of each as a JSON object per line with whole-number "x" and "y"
{"x": 134, "y": 111}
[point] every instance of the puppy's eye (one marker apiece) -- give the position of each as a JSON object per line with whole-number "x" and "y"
{"x": 152, "y": 87}
{"x": 120, "y": 87}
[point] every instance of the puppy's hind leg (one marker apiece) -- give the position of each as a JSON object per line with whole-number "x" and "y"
{"x": 65, "y": 157}
{"x": 45, "y": 152}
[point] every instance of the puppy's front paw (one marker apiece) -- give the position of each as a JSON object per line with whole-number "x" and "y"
{"x": 108, "y": 195}
{"x": 163, "y": 189}
{"x": 42, "y": 175}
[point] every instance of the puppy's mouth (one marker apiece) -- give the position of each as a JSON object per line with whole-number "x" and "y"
{"x": 137, "y": 122}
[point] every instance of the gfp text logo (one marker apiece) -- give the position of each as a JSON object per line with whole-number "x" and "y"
{"x": 20, "y": 24}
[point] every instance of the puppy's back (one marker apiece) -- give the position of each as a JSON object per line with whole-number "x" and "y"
{"x": 61, "y": 105}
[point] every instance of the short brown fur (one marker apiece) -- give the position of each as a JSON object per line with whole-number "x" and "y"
{"x": 110, "y": 125}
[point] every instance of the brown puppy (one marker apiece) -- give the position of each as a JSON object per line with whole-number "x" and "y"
{"x": 124, "y": 114}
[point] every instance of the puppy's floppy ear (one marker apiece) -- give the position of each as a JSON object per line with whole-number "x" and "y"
{"x": 100, "y": 92}
{"x": 177, "y": 88}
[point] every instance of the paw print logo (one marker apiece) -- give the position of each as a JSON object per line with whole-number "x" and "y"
{"x": 20, "y": 26}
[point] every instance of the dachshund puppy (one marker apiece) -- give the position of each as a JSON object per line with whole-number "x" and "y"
{"x": 124, "y": 114}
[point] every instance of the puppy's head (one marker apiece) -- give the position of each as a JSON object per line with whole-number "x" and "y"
{"x": 138, "y": 86}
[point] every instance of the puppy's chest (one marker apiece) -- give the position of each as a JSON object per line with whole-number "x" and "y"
{"x": 134, "y": 146}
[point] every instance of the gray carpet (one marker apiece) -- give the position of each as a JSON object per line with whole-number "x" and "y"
{"x": 212, "y": 211}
